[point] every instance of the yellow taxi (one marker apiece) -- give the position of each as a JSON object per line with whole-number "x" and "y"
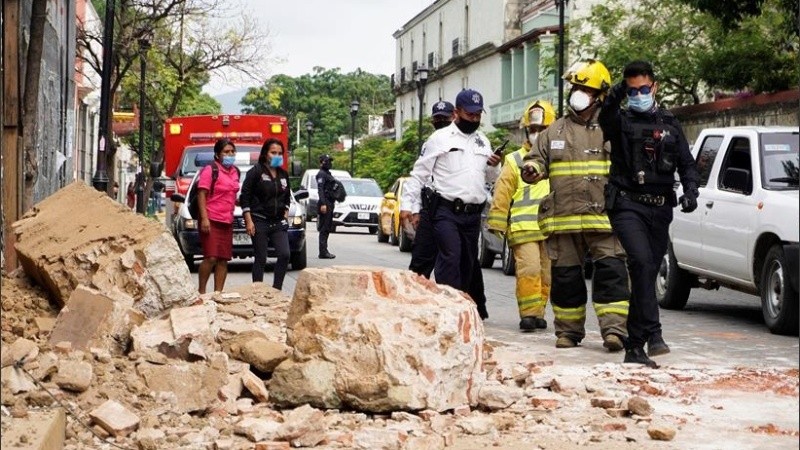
{"x": 389, "y": 229}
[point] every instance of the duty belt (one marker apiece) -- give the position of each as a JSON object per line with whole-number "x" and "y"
{"x": 645, "y": 199}
{"x": 458, "y": 206}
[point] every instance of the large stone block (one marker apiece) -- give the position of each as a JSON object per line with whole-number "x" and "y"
{"x": 379, "y": 340}
{"x": 81, "y": 236}
{"x": 92, "y": 319}
{"x": 190, "y": 387}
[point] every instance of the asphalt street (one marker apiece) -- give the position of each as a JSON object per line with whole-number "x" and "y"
{"x": 721, "y": 328}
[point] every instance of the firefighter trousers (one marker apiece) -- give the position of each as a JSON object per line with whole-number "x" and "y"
{"x": 610, "y": 292}
{"x": 533, "y": 278}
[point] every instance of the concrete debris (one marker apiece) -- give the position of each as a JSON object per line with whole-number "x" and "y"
{"x": 339, "y": 321}
{"x": 123, "y": 251}
{"x": 194, "y": 378}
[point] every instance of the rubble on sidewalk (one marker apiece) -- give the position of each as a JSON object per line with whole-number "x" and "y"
{"x": 198, "y": 376}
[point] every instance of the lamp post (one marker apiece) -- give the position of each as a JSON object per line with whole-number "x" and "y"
{"x": 422, "y": 80}
{"x": 309, "y": 130}
{"x": 353, "y": 112}
{"x": 561, "y": 5}
{"x": 144, "y": 45}
{"x": 100, "y": 178}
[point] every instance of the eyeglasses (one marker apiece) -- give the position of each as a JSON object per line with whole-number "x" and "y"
{"x": 644, "y": 90}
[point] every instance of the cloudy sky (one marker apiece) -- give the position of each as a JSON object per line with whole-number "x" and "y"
{"x": 330, "y": 33}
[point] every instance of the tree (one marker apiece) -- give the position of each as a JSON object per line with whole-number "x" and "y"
{"x": 190, "y": 40}
{"x": 616, "y": 34}
{"x": 323, "y": 97}
{"x": 30, "y": 101}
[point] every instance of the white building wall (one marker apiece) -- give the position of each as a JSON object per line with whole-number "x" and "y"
{"x": 474, "y": 23}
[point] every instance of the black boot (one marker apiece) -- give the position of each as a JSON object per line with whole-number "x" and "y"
{"x": 482, "y": 311}
{"x": 527, "y": 323}
{"x": 540, "y": 323}
{"x": 327, "y": 256}
{"x": 656, "y": 346}
{"x": 638, "y": 356}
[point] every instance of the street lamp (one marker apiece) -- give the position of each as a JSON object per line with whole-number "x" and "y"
{"x": 353, "y": 112}
{"x": 561, "y": 5}
{"x": 144, "y": 46}
{"x": 309, "y": 130}
{"x": 100, "y": 178}
{"x": 422, "y": 80}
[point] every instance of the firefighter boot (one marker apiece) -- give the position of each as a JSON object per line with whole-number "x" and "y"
{"x": 656, "y": 346}
{"x": 612, "y": 342}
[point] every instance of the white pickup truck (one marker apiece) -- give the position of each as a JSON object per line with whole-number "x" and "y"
{"x": 744, "y": 233}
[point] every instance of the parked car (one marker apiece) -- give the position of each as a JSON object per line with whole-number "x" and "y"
{"x": 744, "y": 234}
{"x": 309, "y": 183}
{"x": 361, "y": 207}
{"x": 185, "y": 230}
{"x": 389, "y": 229}
{"x": 490, "y": 246}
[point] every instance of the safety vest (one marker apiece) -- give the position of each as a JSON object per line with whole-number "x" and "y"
{"x": 523, "y": 219}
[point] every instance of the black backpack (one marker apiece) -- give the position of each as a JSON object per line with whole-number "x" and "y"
{"x": 337, "y": 192}
{"x": 194, "y": 202}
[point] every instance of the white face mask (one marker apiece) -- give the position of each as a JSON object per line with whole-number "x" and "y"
{"x": 532, "y": 138}
{"x": 580, "y": 100}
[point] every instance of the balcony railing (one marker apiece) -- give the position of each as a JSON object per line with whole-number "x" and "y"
{"x": 511, "y": 110}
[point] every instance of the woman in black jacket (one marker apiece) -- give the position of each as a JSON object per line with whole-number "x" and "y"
{"x": 265, "y": 205}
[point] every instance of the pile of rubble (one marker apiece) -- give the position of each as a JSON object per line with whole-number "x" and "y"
{"x": 359, "y": 358}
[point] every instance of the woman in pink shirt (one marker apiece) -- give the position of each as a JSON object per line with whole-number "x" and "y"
{"x": 216, "y": 198}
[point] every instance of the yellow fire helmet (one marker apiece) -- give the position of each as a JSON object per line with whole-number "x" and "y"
{"x": 590, "y": 73}
{"x": 540, "y": 112}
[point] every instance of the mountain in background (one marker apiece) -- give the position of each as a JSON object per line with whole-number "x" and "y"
{"x": 230, "y": 101}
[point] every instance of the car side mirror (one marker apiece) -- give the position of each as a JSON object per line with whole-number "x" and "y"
{"x": 177, "y": 198}
{"x": 737, "y": 179}
{"x": 389, "y": 196}
{"x": 300, "y": 194}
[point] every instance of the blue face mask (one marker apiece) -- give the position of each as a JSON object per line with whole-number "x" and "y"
{"x": 276, "y": 161}
{"x": 640, "y": 103}
{"x": 227, "y": 161}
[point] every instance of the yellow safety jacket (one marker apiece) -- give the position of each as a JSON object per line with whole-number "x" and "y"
{"x": 515, "y": 203}
{"x": 572, "y": 154}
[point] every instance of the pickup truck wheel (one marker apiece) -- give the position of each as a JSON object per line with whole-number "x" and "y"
{"x": 673, "y": 284}
{"x": 778, "y": 298}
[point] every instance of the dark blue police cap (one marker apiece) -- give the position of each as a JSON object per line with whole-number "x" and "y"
{"x": 470, "y": 101}
{"x": 442, "y": 108}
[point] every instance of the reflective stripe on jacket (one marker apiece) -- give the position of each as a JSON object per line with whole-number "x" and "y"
{"x": 520, "y": 199}
{"x": 577, "y": 162}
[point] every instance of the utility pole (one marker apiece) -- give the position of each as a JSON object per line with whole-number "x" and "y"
{"x": 561, "y": 5}
{"x": 100, "y": 179}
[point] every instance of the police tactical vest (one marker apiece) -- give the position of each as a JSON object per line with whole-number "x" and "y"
{"x": 652, "y": 149}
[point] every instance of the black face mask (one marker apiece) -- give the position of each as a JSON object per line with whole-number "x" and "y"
{"x": 439, "y": 124}
{"x": 326, "y": 165}
{"x": 466, "y": 126}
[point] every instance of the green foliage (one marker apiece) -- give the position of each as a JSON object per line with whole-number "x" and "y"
{"x": 323, "y": 97}
{"x": 695, "y": 48}
{"x": 760, "y": 54}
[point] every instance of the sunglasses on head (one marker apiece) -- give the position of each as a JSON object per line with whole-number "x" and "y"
{"x": 632, "y": 91}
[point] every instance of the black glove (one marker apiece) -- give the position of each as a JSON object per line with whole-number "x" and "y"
{"x": 619, "y": 90}
{"x": 688, "y": 200}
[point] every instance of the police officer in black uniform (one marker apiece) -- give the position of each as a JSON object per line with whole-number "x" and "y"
{"x": 423, "y": 249}
{"x": 647, "y": 147}
{"x": 325, "y": 205}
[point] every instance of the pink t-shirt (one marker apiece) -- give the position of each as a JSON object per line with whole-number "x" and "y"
{"x": 222, "y": 202}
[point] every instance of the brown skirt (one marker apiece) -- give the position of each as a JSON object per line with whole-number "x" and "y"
{"x": 218, "y": 242}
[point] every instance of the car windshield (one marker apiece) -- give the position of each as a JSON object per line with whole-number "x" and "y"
{"x": 361, "y": 188}
{"x": 780, "y": 155}
{"x": 195, "y": 158}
